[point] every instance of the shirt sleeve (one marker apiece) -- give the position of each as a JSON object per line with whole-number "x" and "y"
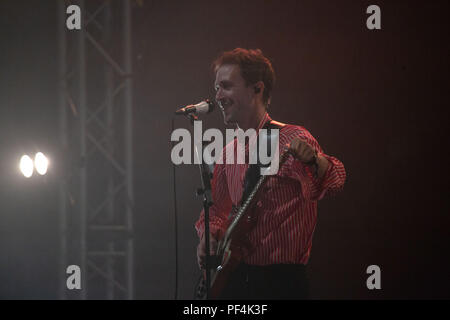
{"x": 221, "y": 207}
{"x": 313, "y": 188}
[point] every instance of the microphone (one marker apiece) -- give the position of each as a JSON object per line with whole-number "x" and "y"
{"x": 199, "y": 108}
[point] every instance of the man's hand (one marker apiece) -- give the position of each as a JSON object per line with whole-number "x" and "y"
{"x": 201, "y": 250}
{"x": 301, "y": 150}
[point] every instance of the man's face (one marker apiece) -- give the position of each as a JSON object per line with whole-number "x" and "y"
{"x": 232, "y": 94}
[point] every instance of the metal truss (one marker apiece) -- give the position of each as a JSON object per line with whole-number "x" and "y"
{"x": 96, "y": 185}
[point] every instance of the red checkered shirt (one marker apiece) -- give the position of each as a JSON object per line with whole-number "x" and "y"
{"x": 286, "y": 205}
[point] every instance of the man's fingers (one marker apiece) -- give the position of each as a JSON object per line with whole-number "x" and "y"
{"x": 301, "y": 150}
{"x": 290, "y": 148}
{"x": 294, "y": 144}
{"x": 201, "y": 250}
{"x": 202, "y": 261}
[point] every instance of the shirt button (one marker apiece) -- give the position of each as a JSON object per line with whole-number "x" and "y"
{"x": 259, "y": 203}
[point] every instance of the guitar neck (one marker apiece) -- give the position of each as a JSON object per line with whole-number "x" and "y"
{"x": 250, "y": 198}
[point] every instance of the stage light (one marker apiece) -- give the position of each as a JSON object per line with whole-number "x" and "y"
{"x": 41, "y": 163}
{"x": 26, "y": 166}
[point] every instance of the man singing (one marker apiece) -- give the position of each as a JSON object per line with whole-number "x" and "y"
{"x": 285, "y": 207}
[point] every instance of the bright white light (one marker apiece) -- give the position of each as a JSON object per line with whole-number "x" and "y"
{"x": 26, "y": 166}
{"x": 41, "y": 163}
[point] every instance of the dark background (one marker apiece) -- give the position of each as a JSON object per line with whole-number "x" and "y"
{"x": 377, "y": 100}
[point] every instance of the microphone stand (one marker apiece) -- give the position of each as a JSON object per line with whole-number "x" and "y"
{"x": 205, "y": 190}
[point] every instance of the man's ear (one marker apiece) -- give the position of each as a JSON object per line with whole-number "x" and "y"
{"x": 259, "y": 87}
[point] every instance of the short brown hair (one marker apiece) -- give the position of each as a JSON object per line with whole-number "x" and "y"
{"x": 254, "y": 67}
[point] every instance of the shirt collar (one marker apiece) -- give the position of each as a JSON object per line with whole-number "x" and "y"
{"x": 263, "y": 121}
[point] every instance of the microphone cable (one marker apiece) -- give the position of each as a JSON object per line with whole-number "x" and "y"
{"x": 175, "y": 213}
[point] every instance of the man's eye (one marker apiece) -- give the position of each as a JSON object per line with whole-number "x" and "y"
{"x": 224, "y": 86}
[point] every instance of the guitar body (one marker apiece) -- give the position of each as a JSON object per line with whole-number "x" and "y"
{"x": 220, "y": 277}
{"x": 230, "y": 252}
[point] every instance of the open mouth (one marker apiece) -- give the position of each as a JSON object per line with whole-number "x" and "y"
{"x": 225, "y": 104}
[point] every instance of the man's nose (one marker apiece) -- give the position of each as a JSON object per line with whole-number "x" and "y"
{"x": 219, "y": 95}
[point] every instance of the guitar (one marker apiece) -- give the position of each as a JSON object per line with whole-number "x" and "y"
{"x": 233, "y": 245}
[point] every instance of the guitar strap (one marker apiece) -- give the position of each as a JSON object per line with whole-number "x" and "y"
{"x": 253, "y": 172}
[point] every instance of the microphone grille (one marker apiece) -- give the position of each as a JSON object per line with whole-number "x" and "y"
{"x": 205, "y": 106}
